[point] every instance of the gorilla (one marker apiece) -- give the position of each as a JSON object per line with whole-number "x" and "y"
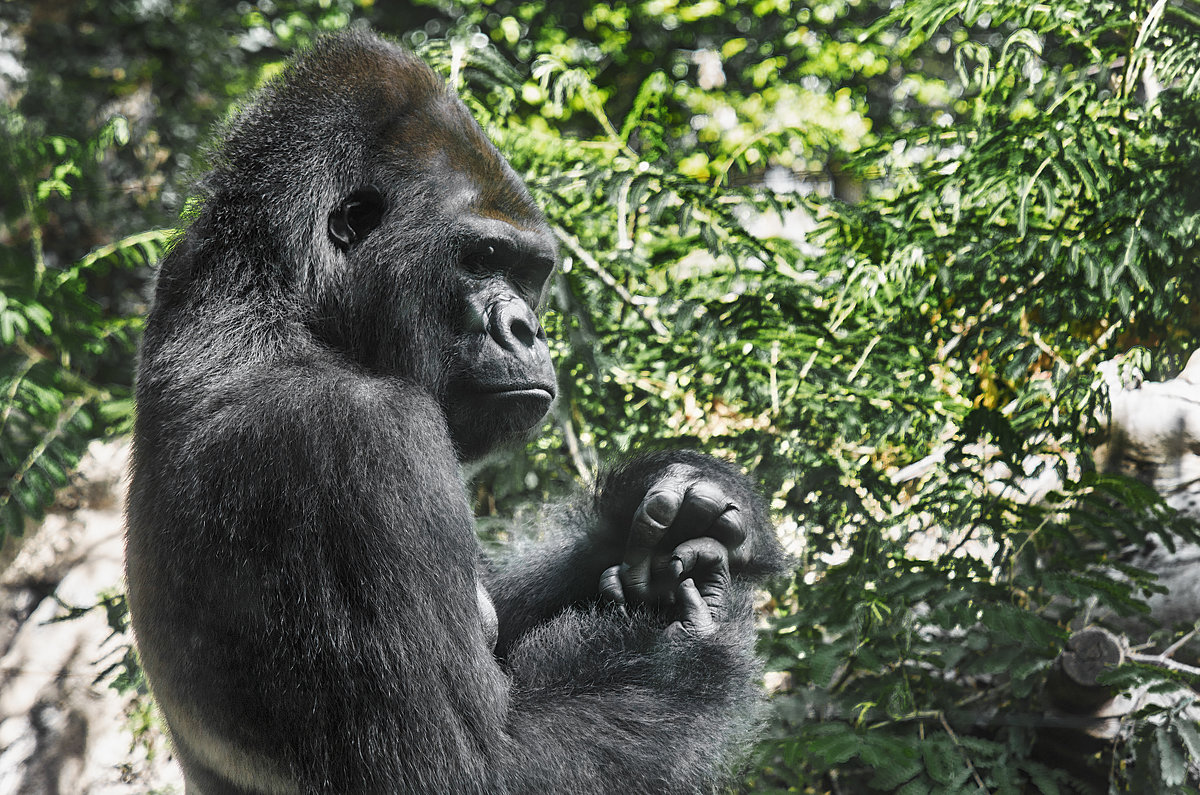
{"x": 349, "y": 316}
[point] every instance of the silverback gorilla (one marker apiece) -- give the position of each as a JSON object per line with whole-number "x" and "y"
{"x": 349, "y": 316}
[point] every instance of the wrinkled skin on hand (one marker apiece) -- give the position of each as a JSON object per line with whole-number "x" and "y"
{"x": 684, "y": 535}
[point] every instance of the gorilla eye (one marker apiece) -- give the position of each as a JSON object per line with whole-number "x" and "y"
{"x": 355, "y": 217}
{"x": 480, "y": 261}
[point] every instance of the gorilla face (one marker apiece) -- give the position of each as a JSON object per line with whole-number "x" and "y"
{"x": 454, "y": 222}
{"x": 503, "y": 380}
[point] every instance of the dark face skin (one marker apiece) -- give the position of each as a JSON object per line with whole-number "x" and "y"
{"x": 504, "y": 380}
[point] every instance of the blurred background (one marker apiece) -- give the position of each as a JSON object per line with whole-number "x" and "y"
{"x": 927, "y": 268}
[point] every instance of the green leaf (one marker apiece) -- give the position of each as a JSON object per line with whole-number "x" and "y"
{"x": 895, "y": 760}
{"x": 942, "y": 760}
{"x": 1171, "y": 759}
{"x": 1042, "y": 777}
{"x": 835, "y": 744}
{"x": 823, "y": 664}
{"x": 1190, "y": 737}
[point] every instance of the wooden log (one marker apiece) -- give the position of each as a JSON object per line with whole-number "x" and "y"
{"x": 1072, "y": 684}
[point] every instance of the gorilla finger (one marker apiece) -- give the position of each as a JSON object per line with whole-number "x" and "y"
{"x": 696, "y": 620}
{"x": 704, "y": 502}
{"x": 667, "y": 567}
{"x": 706, "y": 561}
{"x": 610, "y": 586}
{"x": 654, "y": 581}
{"x": 650, "y": 522}
{"x": 658, "y": 509}
{"x": 692, "y": 605}
{"x": 730, "y": 527}
{"x": 702, "y": 556}
{"x": 635, "y": 579}
{"x": 663, "y": 577}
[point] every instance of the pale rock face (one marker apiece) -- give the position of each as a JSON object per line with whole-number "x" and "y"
{"x": 1154, "y": 435}
{"x": 61, "y": 732}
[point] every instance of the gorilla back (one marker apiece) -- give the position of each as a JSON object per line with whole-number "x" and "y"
{"x": 350, "y": 314}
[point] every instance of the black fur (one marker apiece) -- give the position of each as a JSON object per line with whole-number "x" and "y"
{"x": 350, "y": 315}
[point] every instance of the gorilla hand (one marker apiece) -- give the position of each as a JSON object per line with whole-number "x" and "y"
{"x": 682, "y": 502}
{"x": 695, "y": 578}
{"x": 686, "y": 532}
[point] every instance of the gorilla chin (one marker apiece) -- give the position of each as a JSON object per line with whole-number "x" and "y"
{"x": 480, "y": 421}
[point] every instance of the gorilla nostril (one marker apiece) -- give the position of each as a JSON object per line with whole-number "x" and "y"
{"x": 521, "y": 330}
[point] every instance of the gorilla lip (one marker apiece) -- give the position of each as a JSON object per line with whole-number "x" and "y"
{"x": 529, "y": 391}
{"x": 521, "y": 392}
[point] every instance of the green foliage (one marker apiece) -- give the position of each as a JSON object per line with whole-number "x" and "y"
{"x": 1051, "y": 226}
{"x": 59, "y": 345}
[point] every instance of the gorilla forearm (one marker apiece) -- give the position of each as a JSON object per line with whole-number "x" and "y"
{"x": 533, "y": 583}
{"x": 681, "y": 715}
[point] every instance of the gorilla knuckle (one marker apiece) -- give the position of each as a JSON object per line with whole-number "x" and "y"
{"x": 701, "y": 550}
{"x": 660, "y": 507}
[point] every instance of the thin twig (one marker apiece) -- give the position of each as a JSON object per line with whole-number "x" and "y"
{"x": 1177, "y": 645}
{"x": 152, "y": 236}
{"x": 990, "y": 310}
{"x": 595, "y": 267}
{"x": 1046, "y": 349}
{"x": 573, "y": 447}
{"x": 966, "y": 757}
{"x": 774, "y": 378}
{"x": 863, "y": 359}
{"x": 1097, "y": 346}
{"x": 1162, "y": 661}
{"x": 37, "y": 247}
{"x": 64, "y": 418}
{"x": 17, "y": 379}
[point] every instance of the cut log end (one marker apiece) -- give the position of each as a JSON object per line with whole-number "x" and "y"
{"x": 1090, "y": 653}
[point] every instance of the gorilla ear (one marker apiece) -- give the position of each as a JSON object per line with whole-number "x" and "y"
{"x": 355, "y": 217}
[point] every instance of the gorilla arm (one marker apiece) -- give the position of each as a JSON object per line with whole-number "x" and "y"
{"x": 598, "y": 701}
{"x": 302, "y": 578}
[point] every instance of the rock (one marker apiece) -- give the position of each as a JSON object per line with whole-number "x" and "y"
{"x": 62, "y": 731}
{"x": 1154, "y": 436}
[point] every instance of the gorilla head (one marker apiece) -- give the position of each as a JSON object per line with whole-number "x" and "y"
{"x": 420, "y": 252}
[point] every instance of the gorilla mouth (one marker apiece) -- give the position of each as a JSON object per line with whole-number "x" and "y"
{"x": 481, "y": 416}
{"x": 524, "y": 404}
{"x": 521, "y": 393}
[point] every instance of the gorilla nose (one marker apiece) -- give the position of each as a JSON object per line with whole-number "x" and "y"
{"x": 513, "y": 326}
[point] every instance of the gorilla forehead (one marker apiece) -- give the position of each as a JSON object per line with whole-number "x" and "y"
{"x": 356, "y": 108}
{"x": 440, "y": 143}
